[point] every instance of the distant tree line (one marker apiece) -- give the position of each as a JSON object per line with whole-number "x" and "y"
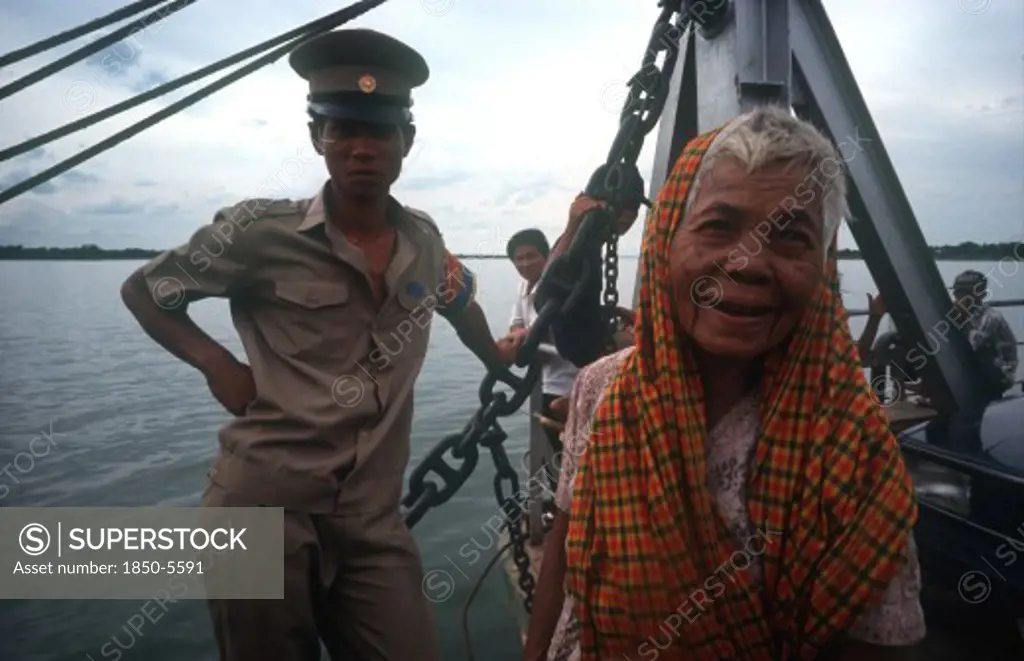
{"x": 93, "y": 252}
{"x": 85, "y": 252}
{"x": 967, "y": 251}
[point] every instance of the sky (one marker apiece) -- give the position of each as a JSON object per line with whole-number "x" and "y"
{"x": 521, "y": 106}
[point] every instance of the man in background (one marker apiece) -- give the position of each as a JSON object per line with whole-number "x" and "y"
{"x": 987, "y": 331}
{"x": 528, "y": 251}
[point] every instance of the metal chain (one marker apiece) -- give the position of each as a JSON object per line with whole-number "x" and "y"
{"x": 514, "y": 504}
{"x": 558, "y": 292}
{"x": 611, "y": 290}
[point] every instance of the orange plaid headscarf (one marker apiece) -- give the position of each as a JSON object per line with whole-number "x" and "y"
{"x": 827, "y": 486}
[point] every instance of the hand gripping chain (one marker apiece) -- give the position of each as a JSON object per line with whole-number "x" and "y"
{"x": 560, "y": 287}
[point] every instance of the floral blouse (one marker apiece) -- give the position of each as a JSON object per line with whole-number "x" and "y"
{"x": 897, "y": 620}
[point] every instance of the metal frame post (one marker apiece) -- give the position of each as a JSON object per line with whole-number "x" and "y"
{"x": 540, "y": 457}
{"x": 882, "y": 222}
{"x": 786, "y": 52}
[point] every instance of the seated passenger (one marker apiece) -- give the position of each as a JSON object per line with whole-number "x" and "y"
{"x": 891, "y": 373}
{"x": 991, "y": 337}
{"x": 739, "y": 493}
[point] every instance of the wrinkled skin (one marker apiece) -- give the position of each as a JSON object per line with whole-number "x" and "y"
{"x": 741, "y": 281}
{"x": 529, "y": 262}
{"x": 363, "y": 159}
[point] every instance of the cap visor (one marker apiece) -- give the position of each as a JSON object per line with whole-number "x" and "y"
{"x": 376, "y": 114}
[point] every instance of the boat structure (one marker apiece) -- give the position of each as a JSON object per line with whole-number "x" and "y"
{"x": 708, "y": 61}
{"x": 965, "y": 454}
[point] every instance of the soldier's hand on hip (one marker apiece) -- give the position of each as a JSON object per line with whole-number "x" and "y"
{"x": 232, "y": 384}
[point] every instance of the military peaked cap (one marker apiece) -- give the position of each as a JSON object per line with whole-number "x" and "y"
{"x": 360, "y": 74}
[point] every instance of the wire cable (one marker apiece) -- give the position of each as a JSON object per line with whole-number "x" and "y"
{"x": 472, "y": 595}
{"x": 99, "y": 116}
{"x": 327, "y": 23}
{"x": 94, "y": 47}
{"x": 66, "y": 36}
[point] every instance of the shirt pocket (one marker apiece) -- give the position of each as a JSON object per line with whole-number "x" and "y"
{"x": 311, "y": 318}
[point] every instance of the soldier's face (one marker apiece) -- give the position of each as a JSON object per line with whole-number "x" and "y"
{"x": 363, "y": 158}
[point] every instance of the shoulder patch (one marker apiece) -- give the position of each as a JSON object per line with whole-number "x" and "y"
{"x": 256, "y": 208}
{"x": 423, "y": 218}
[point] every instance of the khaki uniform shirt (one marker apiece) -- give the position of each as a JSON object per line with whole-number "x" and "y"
{"x": 329, "y": 430}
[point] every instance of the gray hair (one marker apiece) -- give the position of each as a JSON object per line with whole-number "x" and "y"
{"x": 771, "y": 134}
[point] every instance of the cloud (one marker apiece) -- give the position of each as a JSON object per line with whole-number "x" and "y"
{"x": 513, "y": 121}
{"x": 115, "y": 207}
{"x": 78, "y": 177}
{"x": 435, "y": 181}
{"x": 17, "y": 176}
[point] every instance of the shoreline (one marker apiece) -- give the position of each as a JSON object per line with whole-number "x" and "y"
{"x": 124, "y": 258}
{"x": 964, "y": 252}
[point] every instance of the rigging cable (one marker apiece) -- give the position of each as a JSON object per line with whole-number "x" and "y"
{"x": 325, "y": 24}
{"x": 94, "y": 47}
{"x": 127, "y": 104}
{"x": 66, "y": 36}
{"x": 472, "y": 595}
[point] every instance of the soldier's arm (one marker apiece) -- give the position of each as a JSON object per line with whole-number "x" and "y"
{"x": 158, "y": 294}
{"x": 457, "y": 303}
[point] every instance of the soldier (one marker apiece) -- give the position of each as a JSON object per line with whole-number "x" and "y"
{"x": 332, "y": 297}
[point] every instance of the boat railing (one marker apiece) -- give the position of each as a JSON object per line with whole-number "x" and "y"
{"x": 960, "y": 462}
{"x": 1006, "y": 303}
{"x": 541, "y": 455}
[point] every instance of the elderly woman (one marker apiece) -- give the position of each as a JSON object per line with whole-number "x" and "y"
{"x": 739, "y": 494}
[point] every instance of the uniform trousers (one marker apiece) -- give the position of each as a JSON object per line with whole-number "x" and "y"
{"x": 354, "y": 582}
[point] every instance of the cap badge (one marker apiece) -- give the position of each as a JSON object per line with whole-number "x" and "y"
{"x": 367, "y": 83}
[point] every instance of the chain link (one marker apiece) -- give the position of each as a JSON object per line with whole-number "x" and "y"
{"x": 561, "y": 287}
{"x": 611, "y": 290}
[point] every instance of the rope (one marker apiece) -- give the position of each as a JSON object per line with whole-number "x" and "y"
{"x": 472, "y": 595}
{"x": 94, "y": 47}
{"x": 106, "y": 113}
{"x": 324, "y": 25}
{"x": 74, "y": 33}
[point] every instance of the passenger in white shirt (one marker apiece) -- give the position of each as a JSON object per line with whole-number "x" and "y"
{"x": 528, "y": 250}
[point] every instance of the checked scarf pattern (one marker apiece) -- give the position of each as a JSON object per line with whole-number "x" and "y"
{"x": 827, "y": 483}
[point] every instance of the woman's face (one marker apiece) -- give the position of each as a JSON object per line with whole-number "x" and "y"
{"x": 747, "y": 258}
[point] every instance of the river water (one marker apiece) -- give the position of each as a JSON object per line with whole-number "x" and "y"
{"x": 134, "y": 427}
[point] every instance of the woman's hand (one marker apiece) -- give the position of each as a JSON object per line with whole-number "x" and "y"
{"x": 582, "y": 204}
{"x": 560, "y": 409}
